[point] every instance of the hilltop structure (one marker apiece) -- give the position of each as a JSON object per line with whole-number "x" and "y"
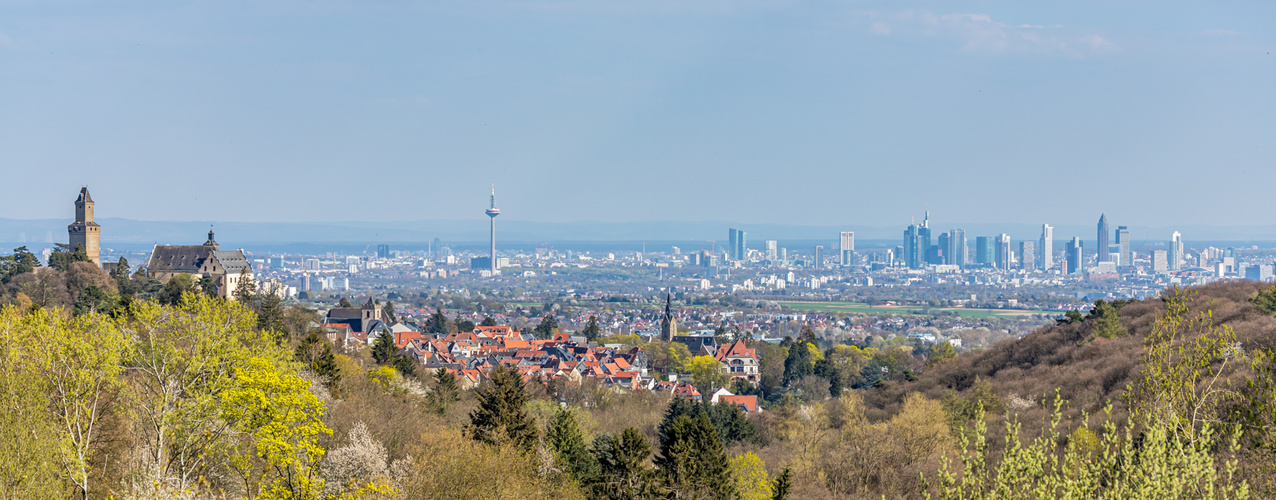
{"x": 228, "y": 269}
{"x": 84, "y": 233}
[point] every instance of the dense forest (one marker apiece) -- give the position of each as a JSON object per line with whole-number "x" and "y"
{"x": 114, "y": 386}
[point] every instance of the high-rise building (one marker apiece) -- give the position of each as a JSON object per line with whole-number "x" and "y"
{"x": 492, "y": 212}
{"x": 846, "y": 247}
{"x": 1158, "y": 262}
{"x": 1101, "y": 247}
{"x": 1176, "y": 252}
{"x": 942, "y": 248}
{"x": 1027, "y": 255}
{"x": 1123, "y": 241}
{"x": 383, "y": 251}
{"x": 913, "y": 255}
{"x": 784, "y": 255}
{"x": 1046, "y": 247}
{"x": 984, "y": 250}
{"x": 736, "y": 245}
{"x": 771, "y": 253}
{"x": 956, "y": 253}
{"x": 1003, "y": 252}
{"x": 819, "y": 257}
{"x": 84, "y": 233}
{"x": 1074, "y": 255}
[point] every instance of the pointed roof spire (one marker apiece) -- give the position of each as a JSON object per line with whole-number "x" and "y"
{"x": 84, "y": 195}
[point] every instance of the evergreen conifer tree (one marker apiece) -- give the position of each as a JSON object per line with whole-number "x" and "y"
{"x": 564, "y": 437}
{"x": 783, "y": 485}
{"x": 383, "y": 349}
{"x": 622, "y": 463}
{"x": 592, "y": 331}
{"x": 316, "y": 353}
{"x": 501, "y": 417}
{"x": 445, "y": 391}
{"x": 693, "y": 459}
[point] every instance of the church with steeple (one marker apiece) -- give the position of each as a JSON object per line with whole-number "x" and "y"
{"x": 668, "y": 323}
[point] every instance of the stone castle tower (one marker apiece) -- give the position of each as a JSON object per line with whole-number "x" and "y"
{"x": 84, "y": 232}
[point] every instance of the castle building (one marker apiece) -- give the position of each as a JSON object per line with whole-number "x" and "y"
{"x": 668, "y": 324}
{"x": 84, "y": 233}
{"x": 227, "y": 269}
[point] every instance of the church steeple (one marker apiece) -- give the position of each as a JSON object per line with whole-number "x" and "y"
{"x": 668, "y": 324}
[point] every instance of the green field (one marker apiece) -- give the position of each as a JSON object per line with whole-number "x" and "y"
{"x": 861, "y": 308}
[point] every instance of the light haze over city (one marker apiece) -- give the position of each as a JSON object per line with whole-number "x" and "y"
{"x": 760, "y": 112}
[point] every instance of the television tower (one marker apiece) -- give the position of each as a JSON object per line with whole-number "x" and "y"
{"x": 492, "y": 212}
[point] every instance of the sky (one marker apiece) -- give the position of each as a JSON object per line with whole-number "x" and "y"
{"x": 766, "y": 112}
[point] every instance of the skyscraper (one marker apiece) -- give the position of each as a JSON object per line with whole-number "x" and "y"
{"x": 819, "y": 256}
{"x": 956, "y": 251}
{"x": 733, "y": 237}
{"x": 741, "y": 247}
{"x": 1046, "y": 247}
{"x": 1027, "y": 255}
{"x": 1101, "y": 246}
{"x": 1123, "y": 241}
{"x": 771, "y": 253}
{"x": 492, "y": 212}
{"x": 1176, "y": 252}
{"x": 913, "y": 256}
{"x": 984, "y": 250}
{"x": 1074, "y": 255}
{"x": 942, "y": 247}
{"x": 846, "y": 247}
{"x": 1003, "y": 252}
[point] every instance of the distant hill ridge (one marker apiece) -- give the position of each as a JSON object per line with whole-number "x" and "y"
{"x": 119, "y": 231}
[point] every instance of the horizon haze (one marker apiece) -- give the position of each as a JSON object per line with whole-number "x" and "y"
{"x": 819, "y": 114}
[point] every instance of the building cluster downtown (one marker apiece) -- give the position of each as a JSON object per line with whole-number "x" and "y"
{"x": 1113, "y": 255}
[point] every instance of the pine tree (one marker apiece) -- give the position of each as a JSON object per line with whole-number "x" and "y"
{"x": 383, "y": 349}
{"x": 405, "y": 364}
{"x": 501, "y": 417}
{"x": 592, "y": 331}
{"x": 270, "y": 315}
{"x": 622, "y": 463}
{"x": 783, "y": 485}
{"x": 488, "y": 321}
{"x": 389, "y": 312}
{"x": 694, "y": 460}
{"x": 246, "y": 292}
{"x": 21, "y": 262}
{"x": 437, "y": 323}
{"x": 445, "y": 391}
{"x": 564, "y": 437}
{"x": 345, "y": 303}
{"x": 547, "y": 327}
{"x": 316, "y": 353}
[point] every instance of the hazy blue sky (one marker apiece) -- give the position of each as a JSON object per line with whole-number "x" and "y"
{"x": 1157, "y": 113}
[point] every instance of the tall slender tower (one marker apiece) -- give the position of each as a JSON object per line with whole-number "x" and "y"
{"x": 492, "y": 212}
{"x": 84, "y": 232}
{"x": 1046, "y": 247}
{"x": 1103, "y": 234}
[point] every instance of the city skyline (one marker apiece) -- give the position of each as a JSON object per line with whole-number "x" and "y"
{"x": 983, "y": 104}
